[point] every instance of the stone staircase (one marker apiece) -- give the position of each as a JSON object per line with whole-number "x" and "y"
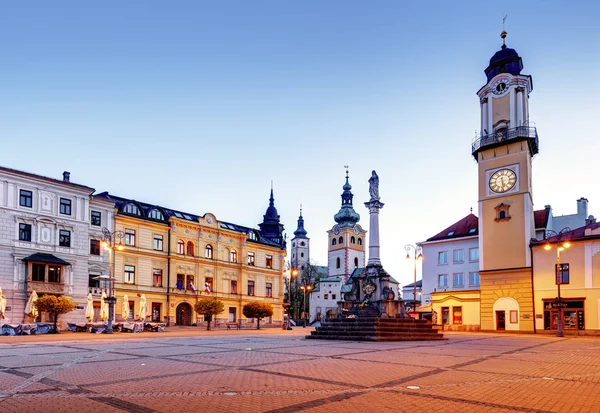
{"x": 375, "y": 329}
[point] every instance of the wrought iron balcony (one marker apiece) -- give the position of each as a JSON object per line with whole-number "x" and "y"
{"x": 505, "y": 136}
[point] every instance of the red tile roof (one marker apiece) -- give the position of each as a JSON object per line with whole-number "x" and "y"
{"x": 540, "y": 217}
{"x": 466, "y": 227}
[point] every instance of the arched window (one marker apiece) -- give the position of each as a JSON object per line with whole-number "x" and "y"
{"x": 156, "y": 214}
{"x": 132, "y": 209}
{"x": 337, "y": 262}
{"x": 502, "y": 214}
{"x": 180, "y": 246}
{"x": 233, "y": 256}
{"x": 208, "y": 251}
{"x": 355, "y": 262}
{"x": 352, "y": 240}
{"x": 293, "y": 244}
{"x": 341, "y": 240}
{"x": 190, "y": 248}
{"x": 301, "y": 255}
{"x": 333, "y": 241}
{"x": 302, "y": 244}
{"x": 360, "y": 241}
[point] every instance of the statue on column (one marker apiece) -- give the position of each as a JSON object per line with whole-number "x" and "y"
{"x": 374, "y": 186}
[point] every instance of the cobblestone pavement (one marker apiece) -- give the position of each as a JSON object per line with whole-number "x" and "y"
{"x": 281, "y": 372}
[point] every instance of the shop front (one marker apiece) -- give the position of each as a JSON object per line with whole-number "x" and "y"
{"x": 573, "y": 314}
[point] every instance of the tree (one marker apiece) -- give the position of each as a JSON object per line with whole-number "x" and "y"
{"x": 258, "y": 310}
{"x": 210, "y": 307}
{"x": 309, "y": 275}
{"x": 54, "y": 305}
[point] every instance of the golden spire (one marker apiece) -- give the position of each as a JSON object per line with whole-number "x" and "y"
{"x": 504, "y": 32}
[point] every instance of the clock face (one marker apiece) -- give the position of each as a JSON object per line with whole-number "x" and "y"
{"x": 503, "y": 180}
{"x": 336, "y": 230}
{"x": 499, "y": 87}
{"x": 356, "y": 230}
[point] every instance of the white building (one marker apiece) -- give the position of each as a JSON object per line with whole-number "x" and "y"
{"x": 46, "y": 236}
{"x": 324, "y": 298}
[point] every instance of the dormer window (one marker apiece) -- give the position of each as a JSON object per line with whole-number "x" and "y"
{"x": 451, "y": 233}
{"x": 156, "y": 214}
{"x": 252, "y": 236}
{"x": 132, "y": 209}
{"x": 472, "y": 230}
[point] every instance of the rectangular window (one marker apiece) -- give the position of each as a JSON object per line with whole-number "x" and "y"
{"x": 129, "y": 274}
{"x": 250, "y": 287}
{"x": 269, "y": 290}
{"x": 232, "y": 315}
{"x": 189, "y": 282}
{"x": 443, "y": 280}
{"x": 473, "y": 278}
{"x": 442, "y": 257}
{"x": 459, "y": 279}
{"x": 459, "y": 256}
{"x": 130, "y": 237}
{"x": 64, "y": 238}
{"x": 25, "y": 198}
{"x": 474, "y": 254}
{"x": 96, "y": 219}
{"x": 158, "y": 242}
{"x": 251, "y": 258}
{"x": 333, "y": 296}
{"x": 54, "y": 273}
{"x": 514, "y": 316}
{"x": 94, "y": 247}
{"x": 233, "y": 287}
{"x": 269, "y": 260}
{"x": 208, "y": 282}
{"x": 25, "y": 232}
{"x": 326, "y": 296}
{"x": 456, "y": 315}
{"x": 156, "y": 312}
{"x": 65, "y": 206}
{"x": 157, "y": 277}
{"x": 38, "y": 272}
{"x": 180, "y": 281}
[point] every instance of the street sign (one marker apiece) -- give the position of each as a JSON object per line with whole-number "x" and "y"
{"x": 561, "y": 272}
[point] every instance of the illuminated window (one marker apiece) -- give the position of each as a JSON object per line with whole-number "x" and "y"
{"x": 190, "y": 249}
{"x": 180, "y": 246}
{"x": 208, "y": 251}
{"x": 250, "y": 258}
{"x": 129, "y": 274}
{"x": 233, "y": 256}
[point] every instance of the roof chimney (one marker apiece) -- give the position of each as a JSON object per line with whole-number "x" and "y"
{"x": 582, "y": 207}
{"x": 66, "y": 176}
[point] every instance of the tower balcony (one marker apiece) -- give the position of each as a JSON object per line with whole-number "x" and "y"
{"x": 506, "y": 136}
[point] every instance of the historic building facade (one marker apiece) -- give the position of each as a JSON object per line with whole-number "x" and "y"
{"x": 174, "y": 258}
{"x": 50, "y": 231}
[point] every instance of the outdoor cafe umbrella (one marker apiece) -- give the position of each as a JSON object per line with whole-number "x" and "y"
{"x": 103, "y": 308}
{"x": 2, "y": 305}
{"x": 30, "y": 309}
{"x": 89, "y": 308}
{"x": 143, "y": 308}
{"x": 125, "y": 308}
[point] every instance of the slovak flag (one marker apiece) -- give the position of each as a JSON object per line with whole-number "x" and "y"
{"x": 206, "y": 288}
{"x": 192, "y": 287}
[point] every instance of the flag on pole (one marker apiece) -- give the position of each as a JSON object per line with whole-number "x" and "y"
{"x": 206, "y": 288}
{"x": 192, "y": 287}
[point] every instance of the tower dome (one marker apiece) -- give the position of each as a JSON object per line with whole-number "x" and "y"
{"x": 505, "y": 60}
{"x": 347, "y": 216}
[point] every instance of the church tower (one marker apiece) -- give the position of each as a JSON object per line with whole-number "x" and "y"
{"x": 503, "y": 151}
{"x": 271, "y": 227}
{"x": 346, "y": 239}
{"x": 300, "y": 246}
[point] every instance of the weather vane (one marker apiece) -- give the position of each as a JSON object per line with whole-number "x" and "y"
{"x": 346, "y": 167}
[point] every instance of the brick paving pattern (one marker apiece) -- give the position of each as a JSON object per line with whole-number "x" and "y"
{"x": 283, "y": 372}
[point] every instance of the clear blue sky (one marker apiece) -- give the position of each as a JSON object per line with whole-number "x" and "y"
{"x": 199, "y": 105}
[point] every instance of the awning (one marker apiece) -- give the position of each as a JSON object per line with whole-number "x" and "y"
{"x": 424, "y": 309}
{"x": 48, "y": 258}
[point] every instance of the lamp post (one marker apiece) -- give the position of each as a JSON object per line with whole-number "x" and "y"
{"x": 108, "y": 243}
{"x": 417, "y": 255}
{"x": 304, "y": 289}
{"x": 294, "y": 296}
{"x": 562, "y": 242}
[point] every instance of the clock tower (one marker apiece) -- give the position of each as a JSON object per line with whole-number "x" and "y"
{"x": 346, "y": 239}
{"x": 503, "y": 151}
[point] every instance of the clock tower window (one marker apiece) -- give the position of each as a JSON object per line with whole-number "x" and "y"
{"x": 502, "y": 212}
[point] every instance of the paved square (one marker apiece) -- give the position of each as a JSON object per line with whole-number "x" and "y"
{"x": 276, "y": 371}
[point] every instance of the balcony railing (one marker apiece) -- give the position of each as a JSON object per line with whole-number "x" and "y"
{"x": 42, "y": 287}
{"x": 97, "y": 291}
{"x": 504, "y": 136}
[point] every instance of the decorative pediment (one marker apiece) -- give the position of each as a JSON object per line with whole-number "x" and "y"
{"x": 502, "y": 212}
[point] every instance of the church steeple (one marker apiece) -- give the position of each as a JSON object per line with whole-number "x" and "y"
{"x": 271, "y": 227}
{"x": 347, "y": 216}
{"x": 300, "y": 231}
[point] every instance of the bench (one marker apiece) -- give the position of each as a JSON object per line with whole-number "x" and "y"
{"x": 234, "y": 325}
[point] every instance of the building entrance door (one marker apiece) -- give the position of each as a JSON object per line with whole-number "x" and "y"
{"x": 183, "y": 315}
{"x": 500, "y": 320}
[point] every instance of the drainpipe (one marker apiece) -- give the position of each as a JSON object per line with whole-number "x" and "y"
{"x": 168, "y": 271}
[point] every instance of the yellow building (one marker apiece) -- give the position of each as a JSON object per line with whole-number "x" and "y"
{"x": 175, "y": 258}
{"x": 579, "y": 249}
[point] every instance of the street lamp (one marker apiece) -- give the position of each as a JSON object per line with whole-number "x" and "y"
{"x": 562, "y": 242}
{"x": 304, "y": 289}
{"x": 417, "y": 256}
{"x": 108, "y": 243}
{"x": 294, "y": 273}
